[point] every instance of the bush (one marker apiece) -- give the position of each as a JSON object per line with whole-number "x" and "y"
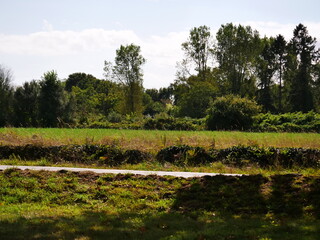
{"x": 114, "y": 117}
{"x": 179, "y": 155}
{"x": 169, "y": 123}
{"x": 231, "y": 113}
{"x": 184, "y": 155}
{"x": 288, "y": 122}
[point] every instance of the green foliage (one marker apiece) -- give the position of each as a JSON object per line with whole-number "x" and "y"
{"x": 198, "y": 49}
{"x": 302, "y": 48}
{"x": 239, "y": 156}
{"x": 114, "y": 117}
{"x": 266, "y": 66}
{"x": 267, "y": 157}
{"x": 236, "y": 50}
{"x": 152, "y": 107}
{"x": 280, "y": 50}
{"x": 51, "y": 100}
{"x": 81, "y": 80}
{"x": 92, "y": 97}
{"x": 288, "y": 122}
{"x": 195, "y": 102}
{"x": 101, "y": 154}
{"x": 128, "y": 72}
{"x": 169, "y": 123}
{"x": 281, "y": 76}
{"x": 185, "y": 155}
{"x": 6, "y": 91}
{"x": 231, "y": 113}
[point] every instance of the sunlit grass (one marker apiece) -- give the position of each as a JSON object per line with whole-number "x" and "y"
{"x": 153, "y": 140}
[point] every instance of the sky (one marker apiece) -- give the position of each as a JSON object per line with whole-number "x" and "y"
{"x": 71, "y": 36}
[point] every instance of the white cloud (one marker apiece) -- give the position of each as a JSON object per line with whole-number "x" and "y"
{"x": 93, "y": 46}
{"x": 53, "y": 43}
{"x": 273, "y": 28}
{"x": 46, "y": 26}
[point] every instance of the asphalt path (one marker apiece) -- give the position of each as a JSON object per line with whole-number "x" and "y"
{"x": 117, "y": 171}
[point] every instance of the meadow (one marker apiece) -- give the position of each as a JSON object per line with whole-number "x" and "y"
{"x": 270, "y": 203}
{"x": 153, "y": 140}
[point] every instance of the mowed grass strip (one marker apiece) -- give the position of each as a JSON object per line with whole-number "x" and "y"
{"x": 65, "y": 205}
{"x": 154, "y": 140}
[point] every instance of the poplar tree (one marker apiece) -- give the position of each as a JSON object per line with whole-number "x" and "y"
{"x": 280, "y": 51}
{"x": 128, "y": 72}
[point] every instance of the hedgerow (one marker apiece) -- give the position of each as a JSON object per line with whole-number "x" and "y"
{"x": 111, "y": 155}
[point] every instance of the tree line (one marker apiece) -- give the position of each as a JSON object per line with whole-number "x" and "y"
{"x": 281, "y": 76}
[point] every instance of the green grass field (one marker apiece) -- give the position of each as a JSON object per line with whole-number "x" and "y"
{"x": 154, "y": 140}
{"x": 270, "y": 204}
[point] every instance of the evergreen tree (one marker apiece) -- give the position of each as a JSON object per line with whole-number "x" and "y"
{"x": 303, "y": 51}
{"x": 26, "y": 104}
{"x": 5, "y": 96}
{"x": 51, "y": 100}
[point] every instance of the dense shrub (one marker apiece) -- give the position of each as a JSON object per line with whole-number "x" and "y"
{"x": 269, "y": 156}
{"x": 184, "y": 155}
{"x": 169, "y": 123}
{"x": 102, "y": 154}
{"x": 133, "y": 156}
{"x": 116, "y": 125}
{"x": 114, "y": 117}
{"x": 179, "y": 155}
{"x": 288, "y": 122}
{"x": 231, "y": 113}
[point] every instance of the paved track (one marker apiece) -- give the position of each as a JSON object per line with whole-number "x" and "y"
{"x": 116, "y": 171}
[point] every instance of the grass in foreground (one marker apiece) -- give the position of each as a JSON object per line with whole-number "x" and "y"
{"x": 149, "y": 140}
{"x": 64, "y": 205}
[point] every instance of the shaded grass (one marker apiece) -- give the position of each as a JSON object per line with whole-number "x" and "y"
{"x": 91, "y": 224}
{"x": 154, "y": 140}
{"x": 65, "y": 205}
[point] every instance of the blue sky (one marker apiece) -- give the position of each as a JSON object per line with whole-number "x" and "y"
{"x": 78, "y": 35}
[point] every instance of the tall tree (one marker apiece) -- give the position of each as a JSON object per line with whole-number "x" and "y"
{"x": 266, "y": 67}
{"x": 316, "y": 87}
{"x": 81, "y": 80}
{"x": 51, "y": 100}
{"x": 5, "y": 95}
{"x": 236, "y": 50}
{"x": 198, "y": 49}
{"x": 279, "y": 48}
{"x": 302, "y": 47}
{"x": 26, "y": 104}
{"x": 128, "y": 72}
